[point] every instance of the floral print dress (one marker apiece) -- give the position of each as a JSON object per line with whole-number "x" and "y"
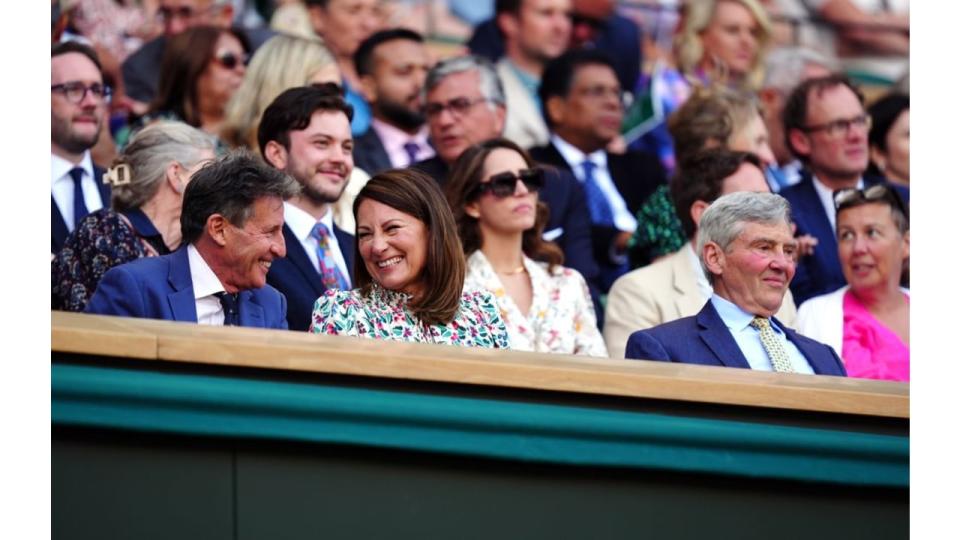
{"x": 561, "y": 317}
{"x": 384, "y": 315}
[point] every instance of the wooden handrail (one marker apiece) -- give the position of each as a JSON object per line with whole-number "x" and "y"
{"x": 294, "y": 351}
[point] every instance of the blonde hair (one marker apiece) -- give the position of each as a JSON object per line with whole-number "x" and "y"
{"x": 709, "y": 118}
{"x": 688, "y": 47}
{"x": 282, "y": 62}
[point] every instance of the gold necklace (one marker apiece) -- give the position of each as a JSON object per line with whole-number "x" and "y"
{"x": 518, "y": 270}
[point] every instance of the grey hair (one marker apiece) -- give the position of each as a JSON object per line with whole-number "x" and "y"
{"x": 785, "y": 66}
{"x": 723, "y": 221}
{"x": 490, "y": 85}
{"x": 150, "y": 151}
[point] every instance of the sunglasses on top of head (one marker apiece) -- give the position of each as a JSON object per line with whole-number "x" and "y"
{"x": 505, "y": 184}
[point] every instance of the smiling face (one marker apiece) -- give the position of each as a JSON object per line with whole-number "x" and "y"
{"x": 508, "y": 215}
{"x": 74, "y": 127}
{"x": 756, "y": 268}
{"x": 393, "y": 246}
{"x": 320, "y": 157}
{"x": 249, "y": 251}
{"x": 871, "y": 248}
{"x": 731, "y": 38}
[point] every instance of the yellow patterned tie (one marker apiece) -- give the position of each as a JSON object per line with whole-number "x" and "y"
{"x": 773, "y": 347}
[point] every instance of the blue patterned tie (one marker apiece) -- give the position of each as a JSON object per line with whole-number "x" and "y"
{"x": 411, "y": 148}
{"x": 79, "y": 206}
{"x": 329, "y": 272}
{"x": 600, "y": 211}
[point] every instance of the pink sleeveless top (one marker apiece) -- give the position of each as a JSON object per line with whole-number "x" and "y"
{"x": 870, "y": 349}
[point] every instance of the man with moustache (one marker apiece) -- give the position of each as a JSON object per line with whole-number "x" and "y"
{"x": 305, "y": 133}
{"x": 534, "y": 32}
{"x": 827, "y": 128}
{"x": 78, "y": 101}
{"x": 746, "y": 247}
{"x": 392, "y": 65}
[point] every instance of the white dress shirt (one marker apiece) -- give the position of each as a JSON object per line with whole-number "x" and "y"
{"x": 826, "y": 199}
{"x": 622, "y": 218}
{"x": 748, "y": 338}
{"x": 206, "y": 285}
{"x": 61, "y": 186}
{"x": 302, "y": 223}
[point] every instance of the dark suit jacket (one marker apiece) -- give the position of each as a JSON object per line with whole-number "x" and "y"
{"x": 369, "y": 153}
{"x": 619, "y": 37}
{"x": 704, "y": 339}
{"x": 297, "y": 278}
{"x": 635, "y": 174}
{"x": 819, "y": 273}
{"x": 58, "y": 226}
{"x": 161, "y": 288}
{"x": 564, "y": 196}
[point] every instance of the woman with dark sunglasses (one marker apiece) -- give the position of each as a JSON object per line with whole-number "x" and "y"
{"x": 868, "y": 321}
{"x": 493, "y": 192}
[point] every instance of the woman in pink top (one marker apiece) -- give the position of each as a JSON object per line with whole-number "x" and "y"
{"x": 868, "y": 321}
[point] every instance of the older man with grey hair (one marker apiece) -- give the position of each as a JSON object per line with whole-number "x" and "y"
{"x": 747, "y": 251}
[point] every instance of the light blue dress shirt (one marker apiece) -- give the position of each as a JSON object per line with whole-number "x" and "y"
{"x": 748, "y": 338}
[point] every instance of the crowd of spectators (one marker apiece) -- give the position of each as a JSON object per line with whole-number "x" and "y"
{"x": 558, "y": 181}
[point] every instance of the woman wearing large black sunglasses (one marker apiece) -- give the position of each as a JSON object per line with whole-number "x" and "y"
{"x": 493, "y": 192}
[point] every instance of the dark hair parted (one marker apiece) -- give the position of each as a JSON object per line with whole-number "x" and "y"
{"x": 293, "y": 109}
{"x": 76, "y": 47}
{"x": 467, "y": 174}
{"x": 229, "y": 186}
{"x": 363, "y": 58}
{"x": 416, "y": 194}
{"x": 559, "y": 73}
{"x": 795, "y": 110}
{"x": 185, "y": 57}
{"x": 884, "y": 113}
{"x": 700, "y": 178}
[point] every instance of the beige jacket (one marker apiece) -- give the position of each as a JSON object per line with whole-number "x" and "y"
{"x": 661, "y": 292}
{"x": 525, "y": 124}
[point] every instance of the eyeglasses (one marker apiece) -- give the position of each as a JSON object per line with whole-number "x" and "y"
{"x": 842, "y": 126}
{"x": 458, "y": 106}
{"x": 76, "y": 91}
{"x": 880, "y": 192}
{"x": 505, "y": 184}
{"x": 230, "y": 61}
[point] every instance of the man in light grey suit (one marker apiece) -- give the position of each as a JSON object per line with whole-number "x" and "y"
{"x": 675, "y": 286}
{"x": 534, "y": 32}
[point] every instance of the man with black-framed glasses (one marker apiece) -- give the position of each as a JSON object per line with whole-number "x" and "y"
{"x": 826, "y": 126}
{"x": 78, "y": 101}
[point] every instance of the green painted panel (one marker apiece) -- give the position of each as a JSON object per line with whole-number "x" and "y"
{"x": 498, "y": 428}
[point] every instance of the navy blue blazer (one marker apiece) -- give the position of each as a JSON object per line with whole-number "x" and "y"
{"x": 369, "y": 153}
{"x": 298, "y": 279}
{"x": 161, "y": 288}
{"x": 819, "y": 273}
{"x": 704, "y": 339}
{"x": 58, "y": 226}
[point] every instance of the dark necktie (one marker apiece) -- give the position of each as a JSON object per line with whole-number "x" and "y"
{"x": 597, "y": 203}
{"x": 411, "y": 148}
{"x": 231, "y": 311}
{"x": 79, "y": 206}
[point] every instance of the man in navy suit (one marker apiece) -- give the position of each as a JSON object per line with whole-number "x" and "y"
{"x": 231, "y": 223}
{"x": 826, "y": 127}
{"x": 746, "y": 247}
{"x": 78, "y": 101}
{"x": 392, "y": 65}
{"x": 305, "y": 133}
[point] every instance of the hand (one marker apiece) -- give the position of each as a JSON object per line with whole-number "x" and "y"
{"x": 805, "y": 246}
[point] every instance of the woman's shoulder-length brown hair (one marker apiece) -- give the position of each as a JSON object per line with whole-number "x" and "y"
{"x": 418, "y": 195}
{"x": 466, "y": 175}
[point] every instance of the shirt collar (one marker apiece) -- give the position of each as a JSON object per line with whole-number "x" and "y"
{"x": 574, "y": 156}
{"x": 529, "y": 81}
{"x": 205, "y": 282}
{"x": 393, "y": 138}
{"x": 826, "y": 198}
{"x": 302, "y": 223}
{"x": 735, "y": 318}
{"x": 60, "y": 168}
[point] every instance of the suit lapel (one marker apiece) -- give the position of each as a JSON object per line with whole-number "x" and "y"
{"x": 251, "y": 313}
{"x": 371, "y": 146}
{"x": 58, "y": 227}
{"x": 182, "y": 303}
{"x": 717, "y": 337}
{"x": 298, "y": 258}
{"x": 104, "y": 188}
{"x": 345, "y": 242}
{"x": 814, "y": 356}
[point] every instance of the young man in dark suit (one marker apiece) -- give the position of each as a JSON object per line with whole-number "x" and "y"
{"x": 746, "y": 247}
{"x": 305, "y": 133}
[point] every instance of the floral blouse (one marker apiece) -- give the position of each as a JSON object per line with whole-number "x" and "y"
{"x": 561, "y": 317}
{"x": 384, "y": 315}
